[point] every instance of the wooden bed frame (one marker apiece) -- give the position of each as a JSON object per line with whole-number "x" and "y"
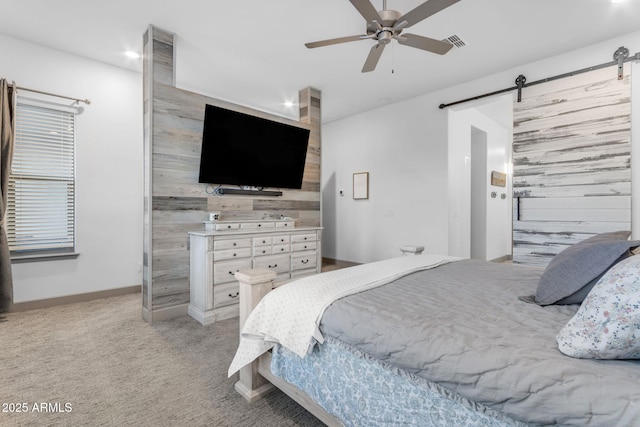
{"x": 256, "y": 379}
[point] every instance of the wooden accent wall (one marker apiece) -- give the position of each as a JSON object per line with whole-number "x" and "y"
{"x": 175, "y": 203}
{"x": 571, "y": 163}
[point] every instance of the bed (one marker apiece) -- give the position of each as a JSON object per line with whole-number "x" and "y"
{"x": 429, "y": 340}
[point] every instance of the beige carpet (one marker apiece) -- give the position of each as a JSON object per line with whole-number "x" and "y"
{"x": 99, "y": 364}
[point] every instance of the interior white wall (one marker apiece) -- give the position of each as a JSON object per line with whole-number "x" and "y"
{"x": 484, "y": 116}
{"x": 404, "y": 147}
{"x": 108, "y": 171}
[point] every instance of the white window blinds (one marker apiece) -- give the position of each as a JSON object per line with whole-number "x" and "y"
{"x": 41, "y": 208}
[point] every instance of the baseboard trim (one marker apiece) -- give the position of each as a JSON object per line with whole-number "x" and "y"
{"x": 167, "y": 313}
{"x": 70, "y": 299}
{"x": 333, "y": 264}
{"x": 503, "y": 258}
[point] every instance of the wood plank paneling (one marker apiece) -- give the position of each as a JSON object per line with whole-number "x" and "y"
{"x": 175, "y": 202}
{"x": 577, "y": 209}
{"x": 571, "y": 163}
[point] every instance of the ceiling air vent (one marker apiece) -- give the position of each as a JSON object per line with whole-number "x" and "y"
{"x": 456, "y": 41}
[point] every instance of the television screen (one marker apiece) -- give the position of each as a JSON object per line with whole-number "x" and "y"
{"x": 241, "y": 149}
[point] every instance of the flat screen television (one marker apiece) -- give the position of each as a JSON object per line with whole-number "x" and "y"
{"x": 245, "y": 150}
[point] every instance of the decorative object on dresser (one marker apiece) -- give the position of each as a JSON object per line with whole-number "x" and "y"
{"x": 226, "y": 247}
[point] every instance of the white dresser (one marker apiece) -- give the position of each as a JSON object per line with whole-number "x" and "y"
{"x": 226, "y": 247}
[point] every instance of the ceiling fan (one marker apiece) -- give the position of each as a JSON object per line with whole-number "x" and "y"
{"x": 386, "y": 25}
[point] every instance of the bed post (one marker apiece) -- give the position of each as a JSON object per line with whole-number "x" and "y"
{"x": 254, "y": 285}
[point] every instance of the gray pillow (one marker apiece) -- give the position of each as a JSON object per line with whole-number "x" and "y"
{"x": 573, "y": 272}
{"x": 605, "y": 237}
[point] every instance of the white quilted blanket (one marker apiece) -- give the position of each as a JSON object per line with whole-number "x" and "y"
{"x": 290, "y": 314}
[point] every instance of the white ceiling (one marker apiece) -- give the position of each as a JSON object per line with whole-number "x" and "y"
{"x": 252, "y": 51}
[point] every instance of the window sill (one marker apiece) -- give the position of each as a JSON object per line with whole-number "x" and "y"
{"x": 21, "y": 258}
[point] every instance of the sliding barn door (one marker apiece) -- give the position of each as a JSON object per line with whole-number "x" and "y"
{"x": 571, "y": 163}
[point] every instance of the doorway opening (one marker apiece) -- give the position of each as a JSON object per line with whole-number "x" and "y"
{"x": 480, "y": 138}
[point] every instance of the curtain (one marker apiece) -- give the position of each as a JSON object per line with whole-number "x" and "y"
{"x": 7, "y": 126}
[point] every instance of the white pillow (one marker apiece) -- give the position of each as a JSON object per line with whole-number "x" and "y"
{"x": 607, "y": 324}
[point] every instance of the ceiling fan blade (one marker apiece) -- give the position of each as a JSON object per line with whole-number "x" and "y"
{"x": 425, "y": 10}
{"x": 424, "y": 43}
{"x": 367, "y": 10}
{"x": 336, "y": 41}
{"x": 374, "y": 56}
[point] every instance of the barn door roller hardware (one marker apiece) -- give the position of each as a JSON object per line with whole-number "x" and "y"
{"x": 620, "y": 56}
{"x": 520, "y": 81}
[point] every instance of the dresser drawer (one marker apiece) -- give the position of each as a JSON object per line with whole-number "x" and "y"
{"x": 262, "y": 241}
{"x": 231, "y": 254}
{"x": 279, "y": 240}
{"x": 262, "y": 250}
{"x": 303, "y": 246}
{"x": 303, "y": 260}
{"x": 297, "y": 238}
{"x": 231, "y": 244}
{"x": 225, "y": 226}
{"x": 281, "y": 249}
{"x": 223, "y": 271}
{"x": 226, "y": 294}
{"x": 277, "y": 263}
{"x": 285, "y": 224}
{"x": 257, "y": 225}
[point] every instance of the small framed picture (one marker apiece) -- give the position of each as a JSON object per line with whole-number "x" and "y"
{"x": 498, "y": 179}
{"x": 360, "y": 185}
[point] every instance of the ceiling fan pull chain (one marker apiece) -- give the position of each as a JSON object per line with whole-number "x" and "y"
{"x": 393, "y": 59}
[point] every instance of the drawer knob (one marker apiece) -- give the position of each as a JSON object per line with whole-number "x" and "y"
{"x": 259, "y": 225}
{"x": 305, "y": 261}
{"x": 264, "y": 241}
{"x": 273, "y": 266}
{"x": 305, "y": 246}
{"x": 232, "y": 273}
{"x": 228, "y": 226}
{"x": 234, "y": 295}
{"x": 235, "y": 254}
{"x": 234, "y": 243}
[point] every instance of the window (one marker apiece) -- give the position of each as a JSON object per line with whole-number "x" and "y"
{"x": 41, "y": 208}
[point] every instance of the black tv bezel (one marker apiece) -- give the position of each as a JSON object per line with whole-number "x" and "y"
{"x": 211, "y": 144}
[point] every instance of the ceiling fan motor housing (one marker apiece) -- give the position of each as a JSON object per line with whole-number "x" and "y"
{"x": 384, "y": 30}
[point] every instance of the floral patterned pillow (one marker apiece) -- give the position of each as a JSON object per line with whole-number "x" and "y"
{"x": 607, "y": 324}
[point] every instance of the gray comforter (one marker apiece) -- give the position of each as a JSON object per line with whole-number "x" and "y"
{"x": 461, "y": 325}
